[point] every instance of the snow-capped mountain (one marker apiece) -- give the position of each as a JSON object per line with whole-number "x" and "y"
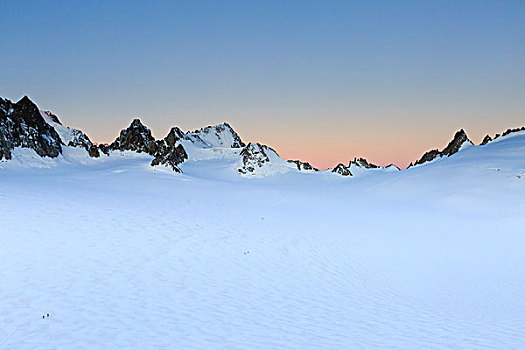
{"x": 23, "y": 125}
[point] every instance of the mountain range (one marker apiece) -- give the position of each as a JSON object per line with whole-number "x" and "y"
{"x": 24, "y": 125}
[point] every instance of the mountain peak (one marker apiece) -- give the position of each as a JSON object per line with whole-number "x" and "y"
{"x": 25, "y": 100}
{"x": 342, "y": 170}
{"x": 136, "y": 123}
{"x": 220, "y": 135}
{"x": 459, "y": 139}
{"x": 362, "y": 162}
{"x": 137, "y": 137}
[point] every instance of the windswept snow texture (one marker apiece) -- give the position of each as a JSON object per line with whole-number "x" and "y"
{"x": 127, "y": 256}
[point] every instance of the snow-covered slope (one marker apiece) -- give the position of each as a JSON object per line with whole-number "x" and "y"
{"x": 122, "y": 254}
{"x": 70, "y": 137}
{"x": 125, "y": 255}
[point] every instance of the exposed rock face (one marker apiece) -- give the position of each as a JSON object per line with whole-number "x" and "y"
{"x": 509, "y": 131}
{"x": 79, "y": 139}
{"x": 341, "y": 170}
{"x": 169, "y": 153}
{"x": 22, "y": 125}
{"x": 136, "y": 137}
{"x": 53, "y": 117}
{"x": 253, "y": 156}
{"x": 104, "y": 148}
{"x": 486, "y": 140}
{"x": 460, "y": 138}
{"x": 221, "y": 135}
{"x": 303, "y": 166}
{"x": 453, "y": 147}
{"x": 362, "y": 162}
{"x": 428, "y": 156}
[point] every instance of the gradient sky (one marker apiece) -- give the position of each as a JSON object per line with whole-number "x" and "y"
{"x": 320, "y": 81}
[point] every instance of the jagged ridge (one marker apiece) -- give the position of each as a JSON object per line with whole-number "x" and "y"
{"x": 460, "y": 138}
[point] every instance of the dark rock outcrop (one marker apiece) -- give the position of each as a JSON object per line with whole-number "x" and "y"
{"x": 510, "y": 131}
{"x": 104, "y": 148}
{"x": 302, "y": 166}
{"x": 22, "y": 125}
{"x": 362, "y": 162}
{"x": 53, "y": 117}
{"x": 169, "y": 153}
{"x": 453, "y": 147}
{"x": 341, "y": 170}
{"x": 71, "y": 137}
{"x": 253, "y": 156}
{"x": 136, "y": 137}
{"x": 486, "y": 140}
{"x": 79, "y": 139}
{"x": 460, "y": 138}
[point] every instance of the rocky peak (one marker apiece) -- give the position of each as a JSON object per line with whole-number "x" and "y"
{"x": 460, "y": 138}
{"x": 170, "y": 152}
{"x": 137, "y": 137}
{"x": 302, "y": 166}
{"x": 486, "y": 140}
{"x": 453, "y": 147}
{"x": 174, "y": 135}
{"x": 342, "y": 170}
{"x": 363, "y": 163}
{"x": 22, "y": 125}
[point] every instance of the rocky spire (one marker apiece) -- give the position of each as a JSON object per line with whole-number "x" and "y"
{"x": 486, "y": 140}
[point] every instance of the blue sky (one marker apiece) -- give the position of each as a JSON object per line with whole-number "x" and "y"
{"x": 323, "y": 81}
